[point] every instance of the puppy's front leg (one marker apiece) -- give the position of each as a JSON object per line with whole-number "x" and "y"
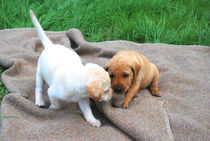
{"x": 131, "y": 93}
{"x": 87, "y": 113}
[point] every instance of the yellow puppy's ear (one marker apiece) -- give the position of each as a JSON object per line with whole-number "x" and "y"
{"x": 94, "y": 90}
{"x": 135, "y": 67}
{"x": 106, "y": 67}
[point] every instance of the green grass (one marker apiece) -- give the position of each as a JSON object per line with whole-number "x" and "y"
{"x": 144, "y": 21}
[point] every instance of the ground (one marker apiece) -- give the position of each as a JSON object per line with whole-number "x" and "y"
{"x": 147, "y": 21}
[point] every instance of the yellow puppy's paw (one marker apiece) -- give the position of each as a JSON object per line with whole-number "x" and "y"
{"x": 125, "y": 105}
{"x": 155, "y": 92}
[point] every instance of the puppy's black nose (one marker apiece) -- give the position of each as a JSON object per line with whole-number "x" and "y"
{"x": 118, "y": 89}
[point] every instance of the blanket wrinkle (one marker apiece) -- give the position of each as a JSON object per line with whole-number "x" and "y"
{"x": 182, "y": 113}
{"x": 167, "y": 122}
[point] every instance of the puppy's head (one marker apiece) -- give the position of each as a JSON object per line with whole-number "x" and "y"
{"x": 123, "y": 72}
{"x": 99, "y": 84}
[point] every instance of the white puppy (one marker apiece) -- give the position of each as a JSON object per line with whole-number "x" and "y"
{"x": 68, "y": 79}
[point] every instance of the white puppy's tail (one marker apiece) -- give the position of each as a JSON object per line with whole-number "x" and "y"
{"x": 43, "y": 37}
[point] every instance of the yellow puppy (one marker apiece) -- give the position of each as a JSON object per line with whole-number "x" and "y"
{"x": 129, "y": 71}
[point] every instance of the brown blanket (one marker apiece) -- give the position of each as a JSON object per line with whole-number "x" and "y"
{"x": 182, "y": 113}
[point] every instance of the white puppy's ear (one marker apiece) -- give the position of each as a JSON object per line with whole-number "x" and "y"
{"x": 94, "y": 89}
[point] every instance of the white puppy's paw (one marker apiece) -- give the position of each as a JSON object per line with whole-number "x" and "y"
{"x": 40, "y": 102}
{"x": 51, "y": 107}
{"x": 95, "y": 123}
{"x": 54, "y": 107}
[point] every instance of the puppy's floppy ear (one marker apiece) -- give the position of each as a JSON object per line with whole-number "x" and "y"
{"x": 94, "y": 90}
{"x": 106, "y": 67}
{"x": 135, "y": 67}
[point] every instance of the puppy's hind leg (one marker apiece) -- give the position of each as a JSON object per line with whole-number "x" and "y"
{"x": 39, "y": 100}
{"x": 87, "y": 113}
{"x": 55, "y": 103}
{"x": 154, "y": 84}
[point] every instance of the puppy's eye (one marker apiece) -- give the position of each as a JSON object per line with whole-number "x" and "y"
{"x": 111, "y": 76}
{"x": 107, "y": 91}
{"x": 125, "y": 75}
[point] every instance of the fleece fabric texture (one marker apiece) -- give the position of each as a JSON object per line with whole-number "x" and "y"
{"x": 182, "y": 113}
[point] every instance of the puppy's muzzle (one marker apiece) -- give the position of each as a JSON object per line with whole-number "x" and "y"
{"x": 118, "y": 89}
